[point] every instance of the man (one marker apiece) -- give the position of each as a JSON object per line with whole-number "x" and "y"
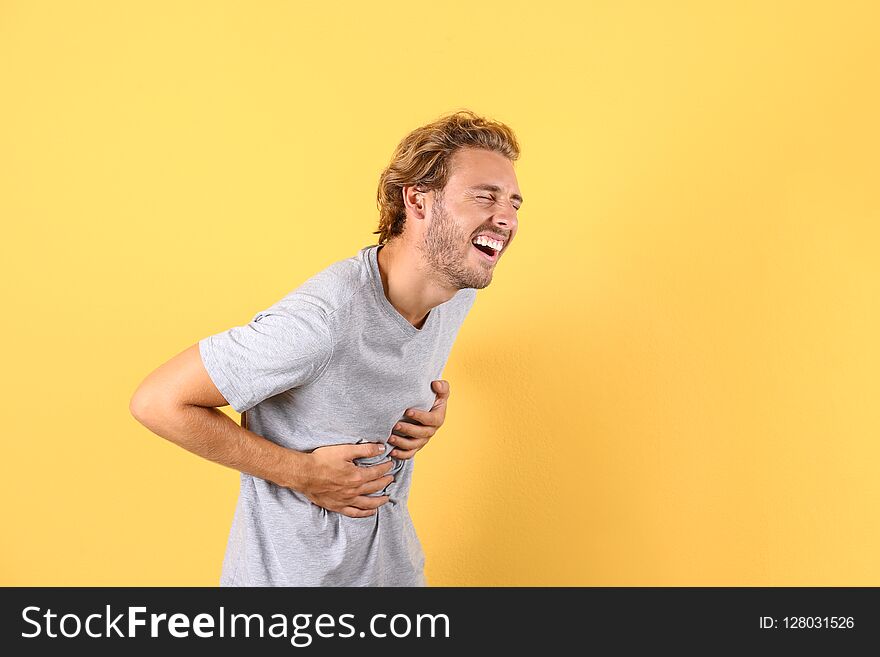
{"x": 335, "y": 377}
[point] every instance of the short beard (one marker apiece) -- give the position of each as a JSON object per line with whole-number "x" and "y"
{"x": 446, "y": 251}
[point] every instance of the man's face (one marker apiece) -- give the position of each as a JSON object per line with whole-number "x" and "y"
{"x": 481, "y": 198}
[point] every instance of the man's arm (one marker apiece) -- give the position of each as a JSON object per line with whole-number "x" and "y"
{"x": 178, "y": 402}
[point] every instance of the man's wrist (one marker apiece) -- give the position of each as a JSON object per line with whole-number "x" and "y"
{"x": 293, "y": 469}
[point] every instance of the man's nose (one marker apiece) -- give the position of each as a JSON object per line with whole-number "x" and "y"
{"x": 506, "y": 218}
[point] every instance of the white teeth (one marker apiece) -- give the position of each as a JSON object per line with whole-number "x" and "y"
{"x": 485, "y": 241}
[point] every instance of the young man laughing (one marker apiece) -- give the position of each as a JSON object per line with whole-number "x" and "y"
{"x": 339, "y": 381}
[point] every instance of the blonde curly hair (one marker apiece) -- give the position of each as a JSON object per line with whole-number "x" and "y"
{"x": 422, "y": 159}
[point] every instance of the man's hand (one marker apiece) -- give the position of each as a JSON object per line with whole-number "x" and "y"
{"x": 334, "y": 483}
{"x": 406, "y": 448}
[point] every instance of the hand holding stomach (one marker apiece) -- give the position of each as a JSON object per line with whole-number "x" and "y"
{"x": 334, "y": 482}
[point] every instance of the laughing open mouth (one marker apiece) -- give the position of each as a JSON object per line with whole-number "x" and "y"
{"x": 488, "y": 248}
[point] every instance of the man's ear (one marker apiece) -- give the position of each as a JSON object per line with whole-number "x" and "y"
{"x": 414, "y": 200}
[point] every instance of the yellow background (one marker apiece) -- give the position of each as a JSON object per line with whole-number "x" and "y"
{"x": 672, "y": 380}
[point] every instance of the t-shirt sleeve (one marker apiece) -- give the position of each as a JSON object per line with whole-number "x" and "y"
{"x": 284, "y": 347}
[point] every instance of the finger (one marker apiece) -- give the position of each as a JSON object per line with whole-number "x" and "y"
{"x": 403, "y": 454}
{"x": 363, "y": 450}
{"x": 407, "y": 443}
{"x": 364, "y": 502}
{"x": 437, "y": 414}
{"x": 441, "y": 387}
{"x": 432, "y": 418}
{"x": 415, "y": 430}
{"x": 370, "y": 472}
{"x": 354, "y": 512}
{"x": 373, "y": 486}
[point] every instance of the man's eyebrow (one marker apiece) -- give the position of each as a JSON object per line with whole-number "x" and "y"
{"x": 496, "y": 189}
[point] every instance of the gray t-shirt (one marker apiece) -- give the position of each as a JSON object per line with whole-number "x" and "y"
{"x": 332, "y": 362}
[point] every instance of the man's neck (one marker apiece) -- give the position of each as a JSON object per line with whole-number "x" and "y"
{"x": 406, "y": 282}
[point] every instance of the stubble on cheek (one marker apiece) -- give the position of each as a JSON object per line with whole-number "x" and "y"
{"x": 447, "y": 249}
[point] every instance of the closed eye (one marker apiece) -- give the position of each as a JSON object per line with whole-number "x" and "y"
{"x": 489, "y": 198}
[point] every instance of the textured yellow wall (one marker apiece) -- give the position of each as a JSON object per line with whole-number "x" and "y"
{"x": 673, "y": 379}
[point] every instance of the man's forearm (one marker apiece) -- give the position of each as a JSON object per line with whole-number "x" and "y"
{"x": 211, "y": 434}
